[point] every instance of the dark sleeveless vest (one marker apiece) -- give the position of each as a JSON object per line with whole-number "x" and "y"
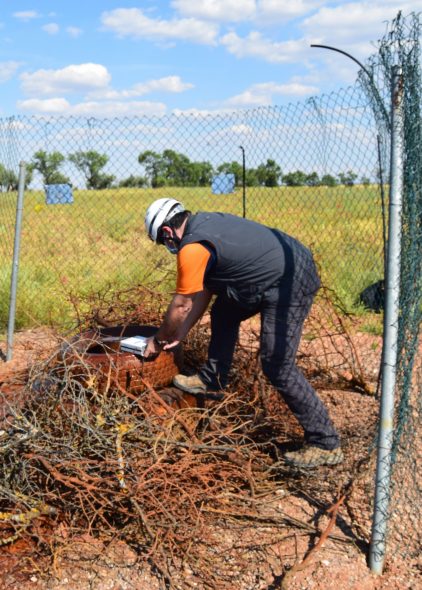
{"x": 250, "y": 257}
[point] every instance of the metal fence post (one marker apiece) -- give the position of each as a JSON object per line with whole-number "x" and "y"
{"x": 15, "y": 266}
{"x": 391, "y": 318}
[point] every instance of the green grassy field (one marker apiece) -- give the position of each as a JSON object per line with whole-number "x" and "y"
{"x": 99, "y": 240}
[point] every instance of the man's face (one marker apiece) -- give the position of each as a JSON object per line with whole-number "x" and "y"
{"x": 170, "y": 240}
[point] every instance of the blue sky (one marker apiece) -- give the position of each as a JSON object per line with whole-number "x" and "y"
{"x": 114, "y": 58}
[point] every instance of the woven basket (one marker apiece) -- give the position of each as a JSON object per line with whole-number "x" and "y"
{"x": 97, "y": 353}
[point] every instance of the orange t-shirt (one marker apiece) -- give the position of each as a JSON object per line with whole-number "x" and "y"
{"x": 192, "y": 262}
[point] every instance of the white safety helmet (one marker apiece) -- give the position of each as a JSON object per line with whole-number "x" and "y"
{"x": 158, "y": 212}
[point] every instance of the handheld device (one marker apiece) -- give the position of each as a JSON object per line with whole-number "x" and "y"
{"x": 134, "y": 344}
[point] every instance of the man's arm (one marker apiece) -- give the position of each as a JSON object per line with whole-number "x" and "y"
{"x": 181, "y": 315}
{"x": 192, "y": 307}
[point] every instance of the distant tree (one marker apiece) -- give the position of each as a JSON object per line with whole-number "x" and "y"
{"x": 297, "y": 178}
{"x": 176, "y": 168}
{"x": 91, "y": 163}
{"x": 8, "y": 180}
{"x": 251, "y": 177}
{"x": 48, "y": 166}
{"x": 328, "y": 180}
{"x": 201, "y": 173}
{"x": 160, "y": 181}
{"x": 312, "y": 179}
{"x": 348, "y": 178}
{"x": 269, "y": 173}
{"x": 28, "y": 174}
{"x": 153, "y": 164}
{"x": 134, "y": 182}
{"x": 365, "y": 181}
{"x": 173, "y": 168}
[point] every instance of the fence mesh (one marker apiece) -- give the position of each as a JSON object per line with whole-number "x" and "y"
{"x": 401, "y": 47}
{"x": 318, "y": 170}
{"x": 310, "y": 169}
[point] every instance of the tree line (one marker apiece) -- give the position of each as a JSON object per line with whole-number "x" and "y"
{"x": 169, "y": 168}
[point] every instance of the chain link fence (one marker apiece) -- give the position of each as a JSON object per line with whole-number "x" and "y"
{"x": 400, "y": 51}
{"x": 310, "y": 169}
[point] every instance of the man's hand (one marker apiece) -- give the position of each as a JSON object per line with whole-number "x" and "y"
{"x": 182, "y": 313}
{"x": 153, "y": 348}
{"x": 171, "y": 345}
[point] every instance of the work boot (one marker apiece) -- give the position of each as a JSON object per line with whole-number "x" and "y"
{"x": 190, "y": 384}
{"x": 309, "y": 457}
{"x": 194, "y": 385}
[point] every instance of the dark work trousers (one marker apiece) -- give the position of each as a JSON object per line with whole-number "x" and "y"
{"x": 283, "y": 309}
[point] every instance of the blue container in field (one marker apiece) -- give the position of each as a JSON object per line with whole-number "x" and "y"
{"x": 58, "y": 194}
{"x": 223, "y": 184}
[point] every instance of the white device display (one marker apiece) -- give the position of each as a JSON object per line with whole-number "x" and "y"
{"x": 134, "y": 344}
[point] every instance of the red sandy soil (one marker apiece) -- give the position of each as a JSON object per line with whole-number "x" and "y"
{"x": 87, "y": 563}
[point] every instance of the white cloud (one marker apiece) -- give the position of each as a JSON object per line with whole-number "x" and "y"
{"x": 7, "y": 69}
{"x": 242, "y": 129}
{"x": 115, "y": 109}
{"x": 131, "y": 22}
{"x": 270, "y": 11}
{"x": 197, "y": 114}
{"x": 250, "y": 98}
{"x": 262, "y": 94}
{"x": 172, "y": 84}
{"x": 263, "y": 11}
{"x": 18, "y": 125}
{"x": 354, "y": 26}
{"x": 219, "y": 10}
{"x": 26, "y": 15}
{"x": 74, "y": 78}
{"x": 51, "y": 28}
{"x": 74, "y": 31}
{"x": 255, "y": 45}
{"x": 60, "y": 106}
{"x": 53, "y": 106}
{"x": 168, "y": 84}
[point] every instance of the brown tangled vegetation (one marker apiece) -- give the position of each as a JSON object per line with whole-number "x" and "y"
{"x": 196, "y": 491}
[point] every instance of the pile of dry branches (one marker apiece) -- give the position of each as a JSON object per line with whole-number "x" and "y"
{"x": 163, "y": 480}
